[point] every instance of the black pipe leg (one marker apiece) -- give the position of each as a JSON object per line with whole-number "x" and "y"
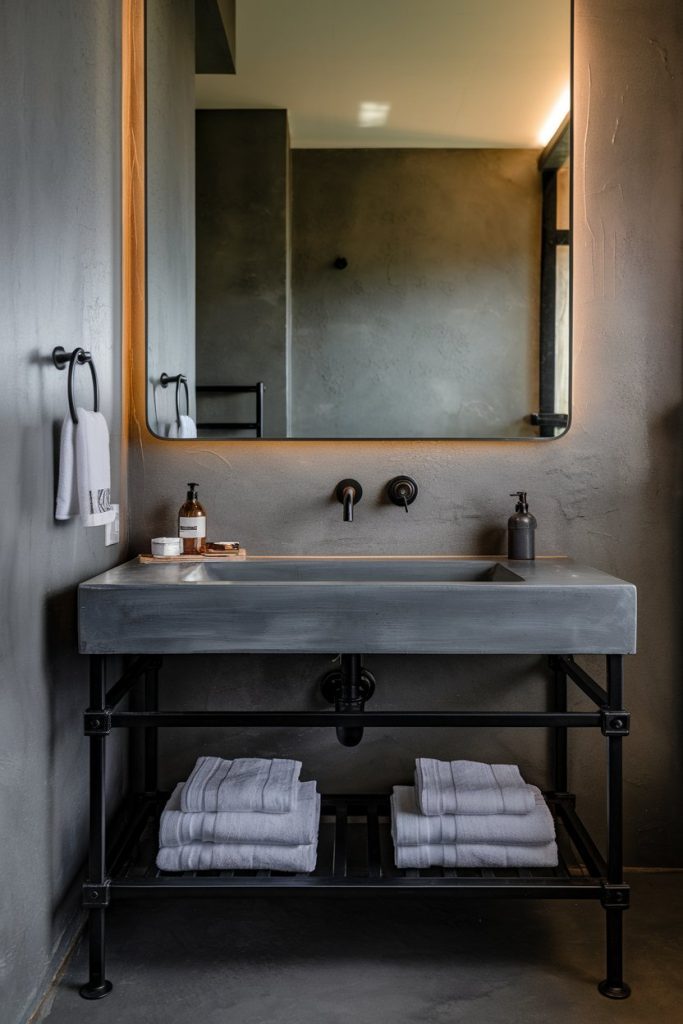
{"x": 614, "y": 986}
{"x": 97, "y": 985}
{"x": 151, "y": 737}
{"x": 560, "y": 772}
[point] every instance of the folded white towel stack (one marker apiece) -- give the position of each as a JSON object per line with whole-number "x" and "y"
{"x": 498, "y": 821}
{"x": 246, "y": 813}
{"x": 84, "y": 470}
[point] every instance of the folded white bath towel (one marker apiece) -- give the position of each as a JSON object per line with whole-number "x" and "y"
{"x": 236, "y": 856}
{"x": 470, "y": 787}
{"x": 84, "y": 470}
{"x": 298, "y": 827}
{"x": 245, "y": 784}
{"x": 187, "y": 428}
{"x": 410, "y": 828}
{"x": 475, "y": 855}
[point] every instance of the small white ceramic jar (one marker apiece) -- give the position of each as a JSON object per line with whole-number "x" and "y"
{"x": 165, "y": 546}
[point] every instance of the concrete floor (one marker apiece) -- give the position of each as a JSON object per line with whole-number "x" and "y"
{"x": 292, "y": 958}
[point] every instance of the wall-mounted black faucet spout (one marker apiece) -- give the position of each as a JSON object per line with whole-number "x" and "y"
{"x": 349, "y": 492}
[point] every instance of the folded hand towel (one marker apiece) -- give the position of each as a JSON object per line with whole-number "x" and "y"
{"x": 470, "y": 787}
{"x": 294, "y": 828}
{"x": 410, "y": 828}
{"x": 84, "y": 470}
{"x": 474, "y": 855}
{"x": 186, "y": 428}
{"x": 236, "y": 856}
{"x": 245, "y": 784}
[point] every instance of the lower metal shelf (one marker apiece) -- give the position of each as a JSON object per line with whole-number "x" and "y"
{"x": 355, "y": 851}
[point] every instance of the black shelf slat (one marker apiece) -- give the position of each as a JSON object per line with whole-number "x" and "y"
{"x": 580, "y": 877}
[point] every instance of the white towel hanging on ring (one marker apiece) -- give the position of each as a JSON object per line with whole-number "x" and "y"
{"x": 84, "y": 470}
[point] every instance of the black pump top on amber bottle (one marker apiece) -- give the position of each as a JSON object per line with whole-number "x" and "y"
{"x": 521, "y": 528}
{"x": 192, "y": 492}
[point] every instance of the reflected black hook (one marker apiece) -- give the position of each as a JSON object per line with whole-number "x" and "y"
{"x": 179, "y": 379}
{"x": 79, "y": 355}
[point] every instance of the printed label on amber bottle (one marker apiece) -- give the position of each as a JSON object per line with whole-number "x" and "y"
{"x": 191, "y": 526}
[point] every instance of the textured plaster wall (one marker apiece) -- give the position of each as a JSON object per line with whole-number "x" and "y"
{"x": 170, "y": 205}
{"x": 59, "y": 284}
{"x": 432, "y": 329}
{"x": 607, "y": 494}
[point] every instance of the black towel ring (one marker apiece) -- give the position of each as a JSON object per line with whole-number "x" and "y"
{"x": 179, "y": 379}
{"x": 60, "y": 358}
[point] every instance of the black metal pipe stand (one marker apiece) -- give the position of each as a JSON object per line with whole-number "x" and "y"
{"x": 151, "y": 741}
{"x": 95, "y": 891}
{"x": 560, "y": 770}
{"x": 615, "y": 900}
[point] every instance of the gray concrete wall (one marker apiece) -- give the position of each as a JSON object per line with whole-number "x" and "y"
{"x": 432, "y": 329}
{"x": 171, "y": 205}
{"x": 242, "y": 293}
{"x": 59, "y": 284}
{"x": 608, "y": 493}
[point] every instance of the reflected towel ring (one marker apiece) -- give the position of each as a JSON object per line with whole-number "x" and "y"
{"x": 179, "y": 379}
{"x": 79, "y": 355}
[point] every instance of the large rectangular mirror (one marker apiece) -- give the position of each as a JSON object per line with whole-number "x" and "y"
{"x": 358, "y": 218}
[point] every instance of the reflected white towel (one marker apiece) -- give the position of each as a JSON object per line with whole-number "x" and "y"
{"x": 186, "y": 428}
{"x": 470, "y": 787}
{"x": 475, "y": 855}
{"x": 410, "y": 828}
{"x": 84, "y": 470}
{"x": 245, "y": 784}
{"x": 295, "y": 828}
{"x": 236, "y": 856}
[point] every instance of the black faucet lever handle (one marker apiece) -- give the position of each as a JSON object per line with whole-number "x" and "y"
{"x": 402, "y": 491}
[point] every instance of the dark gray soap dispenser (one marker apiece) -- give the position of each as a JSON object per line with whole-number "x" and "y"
{"x": 521, "y": 528}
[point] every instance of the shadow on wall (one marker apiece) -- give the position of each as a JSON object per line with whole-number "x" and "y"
{"x": 385, "y": 757}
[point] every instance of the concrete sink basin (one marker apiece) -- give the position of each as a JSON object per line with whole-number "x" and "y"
{"x": 365, "y": 605}
{"x": 353, "y": 570}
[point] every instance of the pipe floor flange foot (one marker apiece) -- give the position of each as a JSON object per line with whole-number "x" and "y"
{"x": 622, "y": 991}
{"x": 95, "y": 991}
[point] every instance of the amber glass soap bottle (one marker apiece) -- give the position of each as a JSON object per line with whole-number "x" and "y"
{"x": 192, "y": 524}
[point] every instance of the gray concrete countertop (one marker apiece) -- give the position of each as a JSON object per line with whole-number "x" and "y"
{"x": 439, "y": 604}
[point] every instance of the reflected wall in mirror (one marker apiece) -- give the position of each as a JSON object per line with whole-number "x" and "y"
{"x": 358, "y": 218}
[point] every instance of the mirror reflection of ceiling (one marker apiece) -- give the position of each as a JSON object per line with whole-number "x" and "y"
{"x": 395, "y": 73}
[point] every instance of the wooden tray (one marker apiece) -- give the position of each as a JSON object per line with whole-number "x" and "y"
{"x": 215, "y": 556}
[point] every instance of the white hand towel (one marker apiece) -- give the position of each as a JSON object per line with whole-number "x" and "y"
{"x": 410, "y": 828}
{"x": 474, "y": 855}
{"x": 245, "y": 784}
{"x": 84, "y": 470}
{"x": 295, "y": 828}
{"x": 470, "y": 787}
{"x": 187, "y": 428}
{"x": 236, "y": 856}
